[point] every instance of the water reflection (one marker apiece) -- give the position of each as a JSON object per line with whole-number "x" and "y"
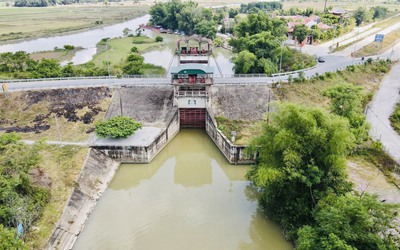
{"x": 189, "y": 197}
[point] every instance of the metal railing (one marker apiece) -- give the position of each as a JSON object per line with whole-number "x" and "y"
{"x": 191, "y": 93}
{"x": 150, "y": 76}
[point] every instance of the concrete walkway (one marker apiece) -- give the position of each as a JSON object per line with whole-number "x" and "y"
{"x": 379, "y": 111}
{"x": 63, "y": 143}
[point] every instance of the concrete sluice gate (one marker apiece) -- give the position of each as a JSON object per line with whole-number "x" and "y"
{"x": 192, "y": 118}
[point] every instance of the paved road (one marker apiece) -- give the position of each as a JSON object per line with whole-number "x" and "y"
{"x": 379, "y": 111}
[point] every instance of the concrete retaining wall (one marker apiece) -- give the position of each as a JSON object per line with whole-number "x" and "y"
{"x": 143, "y": 154}
{"x": 97, "y": 172}
{"x": 233, "y": 153}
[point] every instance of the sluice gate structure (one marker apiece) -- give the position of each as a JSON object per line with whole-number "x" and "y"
{"x": 191, "y": 83}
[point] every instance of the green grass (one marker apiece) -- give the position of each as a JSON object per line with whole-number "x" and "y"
{"x": 60, "y": 55}
{"x": 395, "y": 119}
{"x": 377, "y": 48}
{"x": 388, "y": 22}
{"x": 22, "y": 23}
{"x": 62, "y": 165}
{"x": 120, "y": 48}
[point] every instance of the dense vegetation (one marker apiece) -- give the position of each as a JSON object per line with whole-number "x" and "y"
{"x": 117, "y": 127}
{"x": 362, "y": 14}
{"x": 255, "y": 7}
{"x": 301, "y": 178}
{"x": 395, "y": 118}
{"x": 186, "y": 16}
{"x": 303, "y": 184}
{"x": 21, "y": 201}
{"x": 20, "y": 65}
{"x": 258, "y": 47}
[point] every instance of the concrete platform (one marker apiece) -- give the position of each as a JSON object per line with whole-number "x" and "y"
{"x": 142, "y": 138}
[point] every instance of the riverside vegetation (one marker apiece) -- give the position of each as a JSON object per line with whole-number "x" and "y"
{"x": 20, "y": 65}
{"x": 301, "y": 177}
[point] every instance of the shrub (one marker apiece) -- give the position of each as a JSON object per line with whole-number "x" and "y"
{"x": 117, "y": 127}
{"x": 134, "y": 49}
{"x": 159, "y": 39}
{"x": 69, "y": 47}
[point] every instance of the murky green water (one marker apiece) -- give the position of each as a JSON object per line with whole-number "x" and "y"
{"x": 189, "y": 197}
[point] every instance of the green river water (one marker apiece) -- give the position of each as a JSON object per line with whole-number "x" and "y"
{"x": 188, "y": 197}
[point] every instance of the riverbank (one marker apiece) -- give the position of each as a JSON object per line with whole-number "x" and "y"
{"x": 24, "y": 24}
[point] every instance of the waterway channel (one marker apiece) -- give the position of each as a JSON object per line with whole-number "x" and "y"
{"x": 188, "y": 197}
{"x": 89, "y": 38}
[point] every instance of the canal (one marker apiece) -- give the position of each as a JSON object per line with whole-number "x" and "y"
{"x": 188, "y": 197}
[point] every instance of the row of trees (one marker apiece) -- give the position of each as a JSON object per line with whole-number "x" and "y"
{"x": 255, "y": 7}
{"x": 185, "y": 16}
{"x": 257, "y": 42}
{"x": 302, "y": 180}
{"x": 21, "y": 202}
{"x": 42, "y": 3}
{"x": 20, "y": 65}
{"x": 362, "y": 14}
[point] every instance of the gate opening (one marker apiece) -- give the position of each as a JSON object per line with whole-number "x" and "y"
{"x": 192, "y": 117}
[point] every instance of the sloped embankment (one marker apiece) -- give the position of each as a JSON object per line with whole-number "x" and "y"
{"x": 97, "y": 172}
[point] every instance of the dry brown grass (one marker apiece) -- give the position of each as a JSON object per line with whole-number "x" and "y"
{"x": 14, "y": 111}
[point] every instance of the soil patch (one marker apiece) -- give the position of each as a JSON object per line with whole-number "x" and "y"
{"x": 35, "y": 111}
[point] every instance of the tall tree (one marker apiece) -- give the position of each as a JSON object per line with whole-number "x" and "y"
{"x": 361, "y": 15}
{"x": 244, "y": 62}
{"x": 301, "y": 160}
{"x": 301, "y": 32}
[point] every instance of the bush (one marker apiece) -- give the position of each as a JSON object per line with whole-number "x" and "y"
{"x": 134, "y": 49}
{"x": 69, "y": 47}
{"x": 117, "y": 127}
{"x": 159, "y": 39}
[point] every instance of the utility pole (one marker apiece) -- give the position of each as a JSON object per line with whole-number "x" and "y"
{"x": 108, "y": 62}
{"x": 58, "y": 129}
{"x": 120, "y": 101}
{"x": 325, "y": 6}
{"x": 280, "y": 64}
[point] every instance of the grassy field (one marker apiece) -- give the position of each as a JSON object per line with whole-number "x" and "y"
{"x": 60, "y": 55}
{"x": 62, "y": 165}
{"x": 120, "y": 48}
{"x": 23, "y": 23}
{"x": 310, "y": 92}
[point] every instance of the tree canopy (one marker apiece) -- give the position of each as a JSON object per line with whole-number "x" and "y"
{"x": 301, "y": 160}
{"x": 262, "y": 37}
{"x": 117, "y": 127}
{"x": 347, "y": 101}
{"x": 351, "y": 222}
{"x": 185, "y": 16}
